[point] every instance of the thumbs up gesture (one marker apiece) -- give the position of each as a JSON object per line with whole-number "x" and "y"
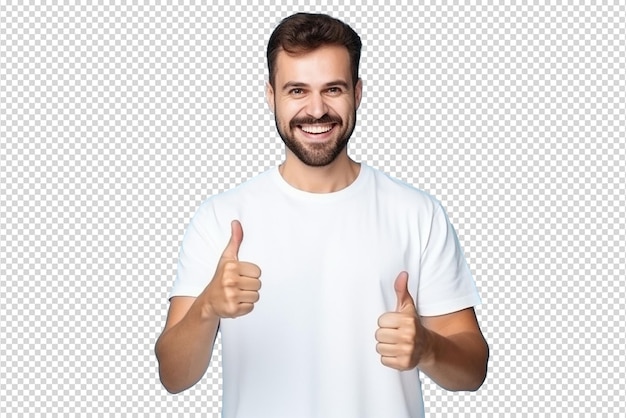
{"x": 400, "y": 335}
{"x": 234, "y": 289}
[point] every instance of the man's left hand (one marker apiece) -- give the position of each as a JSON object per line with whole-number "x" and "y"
{"x": 402, "y": 340}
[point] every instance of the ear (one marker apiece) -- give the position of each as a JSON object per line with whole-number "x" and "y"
{"x": 358, "y": 93}
{"x": 269, "y": 96}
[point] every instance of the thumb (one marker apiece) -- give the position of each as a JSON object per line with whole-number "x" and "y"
{"x": 401, "y": 286}
{"x": 236, "y": 237}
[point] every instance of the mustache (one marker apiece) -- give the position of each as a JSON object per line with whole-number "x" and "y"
{"x": 312, "y": 121}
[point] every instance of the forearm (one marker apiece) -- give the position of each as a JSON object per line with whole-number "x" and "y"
{"x": 184, "y": 350}
{"x": 456, "y": 362}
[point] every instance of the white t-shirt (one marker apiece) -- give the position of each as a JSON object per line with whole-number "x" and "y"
{"x": 328, "y": 265}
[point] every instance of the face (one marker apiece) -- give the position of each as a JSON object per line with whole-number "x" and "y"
{"x": 314, "y": 102}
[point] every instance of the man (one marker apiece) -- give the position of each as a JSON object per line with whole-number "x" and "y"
{"x": 364, "y": 280}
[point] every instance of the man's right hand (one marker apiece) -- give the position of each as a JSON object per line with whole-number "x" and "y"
{"x": 234, "y": 289}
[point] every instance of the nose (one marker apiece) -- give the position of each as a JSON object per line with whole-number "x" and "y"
{"x": 316, "y": 106}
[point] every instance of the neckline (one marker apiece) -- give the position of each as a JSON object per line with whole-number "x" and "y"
{"x": 347, "y": 191}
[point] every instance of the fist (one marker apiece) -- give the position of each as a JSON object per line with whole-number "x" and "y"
{"x": 234, "y": 289}
{"x": 400, "y": 333}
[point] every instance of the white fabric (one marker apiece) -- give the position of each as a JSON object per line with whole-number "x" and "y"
{"x": 328, "y": 264}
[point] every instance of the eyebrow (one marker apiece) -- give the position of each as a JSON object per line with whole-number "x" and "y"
{"x": 296, "y": 85}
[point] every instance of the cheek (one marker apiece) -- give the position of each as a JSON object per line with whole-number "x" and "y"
{"x": 286, "y": 112}
{"x": 283, "y": 119}
{"x": 344, "y": 107}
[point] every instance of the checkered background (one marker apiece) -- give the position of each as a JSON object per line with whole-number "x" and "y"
{"x": 117, "y": 120}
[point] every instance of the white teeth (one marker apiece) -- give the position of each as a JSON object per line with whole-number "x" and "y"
{"x": 316, "y": 129}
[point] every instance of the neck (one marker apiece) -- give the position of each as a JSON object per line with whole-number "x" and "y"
{"x": 327, "y": 179}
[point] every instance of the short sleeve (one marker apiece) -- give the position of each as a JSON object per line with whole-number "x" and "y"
{"x": 199, "y": 253}
{"x": 446, "y": 282}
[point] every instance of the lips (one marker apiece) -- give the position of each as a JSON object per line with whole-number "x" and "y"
{"x": 316, "y": 129}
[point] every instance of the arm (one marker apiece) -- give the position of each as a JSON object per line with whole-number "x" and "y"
{"x": 457, "y": 353}
{"x": 184, "y": 348}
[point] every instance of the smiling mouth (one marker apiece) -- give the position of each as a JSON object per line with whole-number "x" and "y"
{"x": 317, "y": 129}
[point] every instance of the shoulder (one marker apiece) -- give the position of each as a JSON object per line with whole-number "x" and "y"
{"x": 403, "y": 194}
{"x": 254, "y": 187}
{"x": 211, "y": 219}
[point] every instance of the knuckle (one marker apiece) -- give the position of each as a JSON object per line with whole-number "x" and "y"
{"x": 229, "y": 281}
{"x": 229, "y": 294}
{"x": 230, "y": 266}
{"x": 232, "y": 308}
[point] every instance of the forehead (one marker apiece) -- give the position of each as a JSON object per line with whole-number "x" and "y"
{"x": 324, "y": 64}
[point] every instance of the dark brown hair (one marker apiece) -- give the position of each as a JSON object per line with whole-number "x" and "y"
{"x": 305, "y": 32}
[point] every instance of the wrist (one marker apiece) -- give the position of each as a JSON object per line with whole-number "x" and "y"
{"x": 204, "y": 310}
{"x": 429, "y": 354}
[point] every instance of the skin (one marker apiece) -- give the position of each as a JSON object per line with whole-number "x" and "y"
{"x": 312, "y": 86}
{"x": 185, "y": 345}
{"x": 314, "y": 91}
{"x": 449, "y": 348}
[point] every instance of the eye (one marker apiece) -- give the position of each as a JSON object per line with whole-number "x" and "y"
{"x": 296, "y": 92}
{"x": 334, "y": 91}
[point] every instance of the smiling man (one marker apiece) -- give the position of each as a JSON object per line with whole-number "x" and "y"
{"x": 312, "y": 105}
{"x": 364, "y": 280}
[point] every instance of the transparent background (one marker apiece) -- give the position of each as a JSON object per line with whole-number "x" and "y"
{"x": 117, "y": 119}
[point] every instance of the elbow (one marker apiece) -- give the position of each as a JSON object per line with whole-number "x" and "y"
{"x": 470, "y": 384}
{"x": 477, "y": 384}
{"x": 476, "y": 374}
{"x": 171, "y": 383}
{"x": 168, "y": 376}
{"x": 481, "y": 370}
{"x": 171, "y": 388}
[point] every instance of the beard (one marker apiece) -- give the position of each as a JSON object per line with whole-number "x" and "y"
{"x": 317, "y": 154}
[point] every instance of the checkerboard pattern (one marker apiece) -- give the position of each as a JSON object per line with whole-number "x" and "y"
{"x": 118, "y": 119}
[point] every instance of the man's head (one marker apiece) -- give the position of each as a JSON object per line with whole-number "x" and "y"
{"x": 313, "y": 88}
